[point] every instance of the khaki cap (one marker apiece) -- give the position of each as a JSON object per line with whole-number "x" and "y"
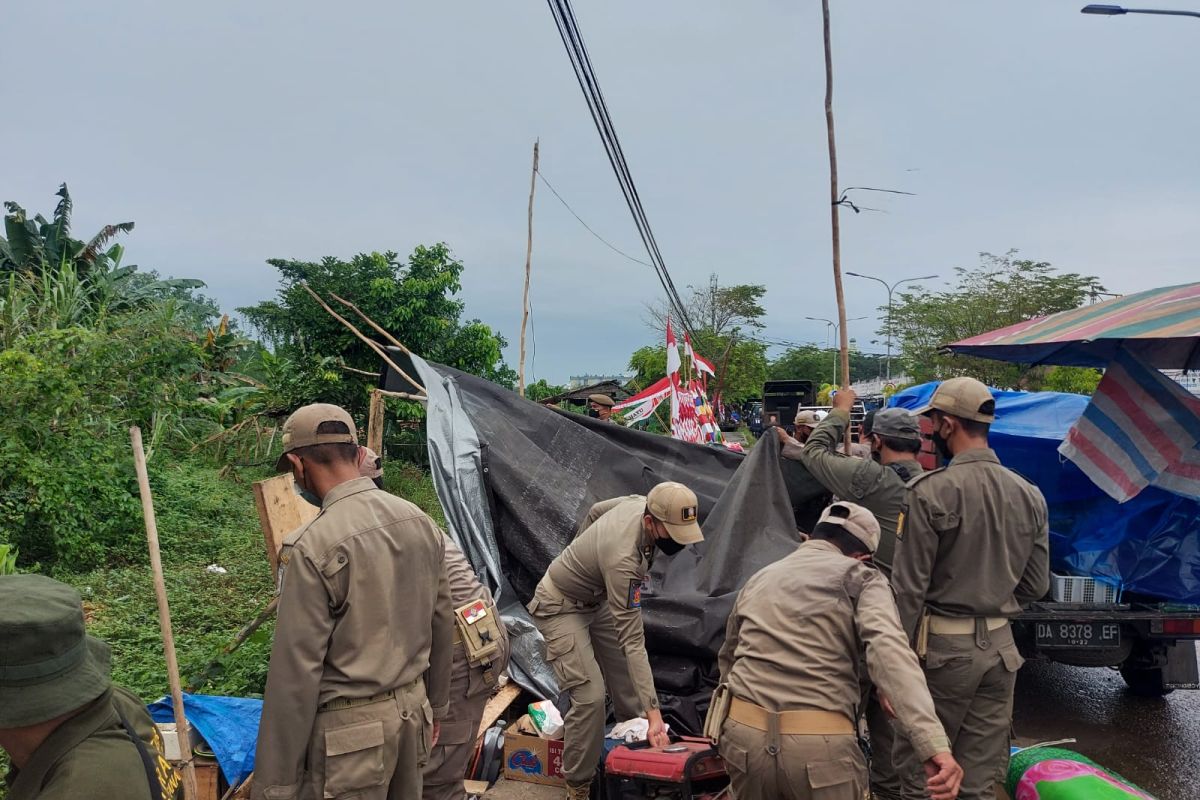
{"x": 368, "y": 464}
{"x": 897, "y": 423}
{"x": 601, "y": 400}
{"x": 675, "y": 506}
{"x": 300, "y": 430}
{"x": 809, "y": 418}
{"x": 965, "y": 398}
{"x": 856, "y": 520}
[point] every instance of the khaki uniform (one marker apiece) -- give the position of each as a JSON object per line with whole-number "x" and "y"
{"x": 793, "y": 643}
{"x": 881, "y": 490}
{"x": 973, "y": 547}
{"x": 588, "y": 609}
{"x": 469, "y": 690}
{"x": 362, "y": 649}
{"x": 91, "y": 755}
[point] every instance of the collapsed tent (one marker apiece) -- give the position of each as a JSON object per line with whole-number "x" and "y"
{"x": 515, "y": 478}
{"x": 1149, "y": 545}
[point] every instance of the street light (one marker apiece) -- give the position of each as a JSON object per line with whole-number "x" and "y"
{"x": 1115, "y": 11}
{"x": 837, "y": 348}
{"x": 891, "y": 287}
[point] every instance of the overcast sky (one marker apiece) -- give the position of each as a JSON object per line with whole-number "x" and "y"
{"x": 236, "y": 132}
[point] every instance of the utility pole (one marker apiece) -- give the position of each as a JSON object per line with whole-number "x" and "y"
{"x": 528, "y": 257}
{"x": 834, "y": 207}
{"x": 891, "y": 288}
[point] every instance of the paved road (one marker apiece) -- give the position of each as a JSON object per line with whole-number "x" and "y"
{"x": 1153, "y": 742}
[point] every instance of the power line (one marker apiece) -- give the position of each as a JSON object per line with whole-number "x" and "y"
{"x": 601, "y": 239}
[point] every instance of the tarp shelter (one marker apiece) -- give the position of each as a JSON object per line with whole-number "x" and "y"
{"x": 1150, "y": 545}
{"x": 515, "y": 478}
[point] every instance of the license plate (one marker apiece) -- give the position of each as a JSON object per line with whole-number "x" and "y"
{"x": 1091, "y": 635}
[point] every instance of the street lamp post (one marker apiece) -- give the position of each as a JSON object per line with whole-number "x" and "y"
{"x": 1116, "y": 11}
{"x": 835, "y": 327}
{"x": 891, "y": 287}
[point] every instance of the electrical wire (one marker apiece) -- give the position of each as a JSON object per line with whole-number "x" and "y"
{"x": 602, "y": 240}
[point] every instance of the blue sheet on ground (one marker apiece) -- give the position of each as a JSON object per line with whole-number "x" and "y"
{"x": 228, "y": 724}
{"x": 1149, "y": 545}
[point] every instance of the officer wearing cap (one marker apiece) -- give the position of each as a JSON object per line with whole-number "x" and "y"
{"x": 806, "y": 421}
{"x": 972, "y": 547}
{"x": 370, "y": 466}
{"x": 67, "y": 730}
{"x": 601, "y": 405}
{"x": 878, "y": 484}
{"x": 785, "y": 710}
{"x": 588, "y": 609}
{"x": 360, "y": 666}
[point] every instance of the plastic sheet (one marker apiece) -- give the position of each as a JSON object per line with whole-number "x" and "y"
{"x": 1150, "y": 545}
{"x": 228, "y": 724}
{"x": 1052, "y": 773}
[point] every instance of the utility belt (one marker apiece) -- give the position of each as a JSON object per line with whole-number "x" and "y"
{"x": 954, "y": 626}
{"x": 477, "y": 626}
{"x": 806, "y": 722}
{"x": 355, "y": 702}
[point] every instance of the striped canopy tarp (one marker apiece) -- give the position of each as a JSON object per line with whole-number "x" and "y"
{"x": 1161, "y": 327}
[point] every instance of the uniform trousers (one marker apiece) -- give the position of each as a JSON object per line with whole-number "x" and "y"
{"x": 583, "y": 648}
{"x": 373, "y": 751}
{"x": 971, "y": 678}
{"x": 807, "y": 767}
{"x": 448, "y": 761}
{"x": 885, "y": 781}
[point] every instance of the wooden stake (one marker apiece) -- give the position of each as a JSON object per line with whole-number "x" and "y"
{"x": 375, "y": 422}
{"x": 164, "y": 614}
{"x": 528, "y": 257}
{"x": 834, "y": 208}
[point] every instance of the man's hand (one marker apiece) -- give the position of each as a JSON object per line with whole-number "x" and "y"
{"x": 943, "y": 777}
{"x": 437, "y": 733}
{"x": 657, "y": 735}
{"x": 783, "y": 436}
{"x": 844, "y": 399}
{"x": 886, "y": 704}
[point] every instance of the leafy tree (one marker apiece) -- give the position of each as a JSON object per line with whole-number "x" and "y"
{"x": 810, "y": 362}
{"x": 415, "y": 301}
{"x": 1002, "y": 291}
{"x": 541, "y": 389}
{"x": 1073, "y": 380}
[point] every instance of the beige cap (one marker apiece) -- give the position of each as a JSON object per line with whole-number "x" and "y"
{"x": 857, "y": 521}
{"x": 601, "y": 400}
{"x": 368, "y": 464}
{"x": 675, "y": 506}
{"x": 300, "y": 430}
{"x": 807, "y": 417}
{"x": 965, "y": 398}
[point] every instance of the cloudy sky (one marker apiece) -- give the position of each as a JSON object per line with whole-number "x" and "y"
{"x": 236, "y": 132}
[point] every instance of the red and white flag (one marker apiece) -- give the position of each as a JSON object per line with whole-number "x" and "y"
{"x": 642, "y": 404}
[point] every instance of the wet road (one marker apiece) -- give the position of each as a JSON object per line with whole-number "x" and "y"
{"x": 1152, "y": 742}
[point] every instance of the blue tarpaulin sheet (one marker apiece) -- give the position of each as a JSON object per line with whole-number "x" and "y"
{"x": 1149, "y": 545}
{"x": 228, "y": 724}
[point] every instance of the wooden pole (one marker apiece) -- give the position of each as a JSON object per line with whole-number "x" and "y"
{"x": 834, "y": 208}
{"x": 164, "y": 614}
{"x": 375, "y": 422}
{"x": 528, "y": 257}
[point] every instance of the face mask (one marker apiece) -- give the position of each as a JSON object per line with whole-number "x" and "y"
{"x": 668, "y": 546}
{"x": 876, "y": 454}
{"x": 943, "y": 446}
{"x": 305, "y": 494}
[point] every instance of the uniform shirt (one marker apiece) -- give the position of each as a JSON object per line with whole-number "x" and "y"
{"x": 974, "y": 542}
{"x": 607, "y": 563}
{"x": 877, "y": 488}
{"x": 91, "y": 755}
{"x": 364, "y": 608}
{"x": 796, "y": 633}
{"x": 465, "y": 587}
{"x": 598, "y": 510}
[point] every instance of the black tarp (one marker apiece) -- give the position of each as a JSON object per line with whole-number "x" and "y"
{"x": 515, "y": 478}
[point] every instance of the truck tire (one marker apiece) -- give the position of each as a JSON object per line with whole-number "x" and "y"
{"x": 1145, "y": 681}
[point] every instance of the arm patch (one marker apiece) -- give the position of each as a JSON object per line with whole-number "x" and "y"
{"x": 634, "y": 598}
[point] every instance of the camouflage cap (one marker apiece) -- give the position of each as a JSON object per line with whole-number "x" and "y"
{"x": 676, "y": 507}
{"x": 300, "y": 430}
{"x": 856, "y": 520}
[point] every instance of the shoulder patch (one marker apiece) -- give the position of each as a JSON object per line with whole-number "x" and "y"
{"x": 923, "y": 476}
{"x": 634, "y": 599}
{"x": 900, "y": 525}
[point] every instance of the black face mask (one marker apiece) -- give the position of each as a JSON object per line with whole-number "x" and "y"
{"x": 378, "y": 482}
{"x": 668, "y": 545}
{"x": 943, "y": 446}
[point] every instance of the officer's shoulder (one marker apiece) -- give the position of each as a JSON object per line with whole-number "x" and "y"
{"x": 1021, "y": 475}
{"x": 924, "y": 476}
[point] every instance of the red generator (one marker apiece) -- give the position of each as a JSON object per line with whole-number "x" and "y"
{"x": 689, "y": 768}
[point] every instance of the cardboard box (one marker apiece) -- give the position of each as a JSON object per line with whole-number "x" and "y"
{"x": 532, "y": 759}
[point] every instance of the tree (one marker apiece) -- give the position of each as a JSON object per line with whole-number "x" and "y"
{"x": 817, "y": 363}
{"x": 541, "y": 389}
{"x": 1002, "y": 291}
{"x": 415, "y": 301}
{"x": 1073, "y": 380}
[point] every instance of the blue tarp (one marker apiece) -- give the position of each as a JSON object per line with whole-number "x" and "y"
{"x": 1150, "y": 545}
{"x": 228, "y": 724}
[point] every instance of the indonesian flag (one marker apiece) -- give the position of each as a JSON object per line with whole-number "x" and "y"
{"x": 700, "y": 364}
{"x": 673, "y": 362}
{"x": 642, "y": 404}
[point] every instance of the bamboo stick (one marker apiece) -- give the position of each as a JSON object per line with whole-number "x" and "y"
{"x": 528, "y": 258}
{"x": 164, "y": 614}
{"x": 375, "y": 422}
{"x": 394, "y": 341}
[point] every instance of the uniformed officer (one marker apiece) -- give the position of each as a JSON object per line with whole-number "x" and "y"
{"x": 806, "y": 421}
{"x": 878, "y": 484}
{"x": 602, "y": 406}
{"x": 370, "y": 465}
{"x": 786, "y": 706}
{"x": 360, "y": 666}
{"x": 973, "y": 546}
{"x": 67, "y": 730}
{"x": 588, "y": 609}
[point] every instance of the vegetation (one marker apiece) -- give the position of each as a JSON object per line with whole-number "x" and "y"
{"x": 817, "y": 364}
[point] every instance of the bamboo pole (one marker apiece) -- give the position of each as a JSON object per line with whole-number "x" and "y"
{"x": 372, "y": 323}
{"x": 834, "y": 208}
{"x": 375, "y": 422}
{"x": 164, "y": 614}
{"x": 528, "y": 257}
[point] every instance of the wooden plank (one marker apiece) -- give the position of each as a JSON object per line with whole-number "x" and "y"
{"x": 207, "y": 779}
{"x": 375, "y": 422}
{"x": 280, "y": 511}
{"x": 497, "y": 705}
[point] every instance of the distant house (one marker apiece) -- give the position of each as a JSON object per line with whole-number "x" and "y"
{"x": 612, "y": 388}
{"x": 584, "y": 381}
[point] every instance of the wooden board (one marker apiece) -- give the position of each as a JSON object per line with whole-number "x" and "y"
{"x": 207, "y": 779}
{"x": 280, "y": 511}
{"x": 497, "y": 705}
